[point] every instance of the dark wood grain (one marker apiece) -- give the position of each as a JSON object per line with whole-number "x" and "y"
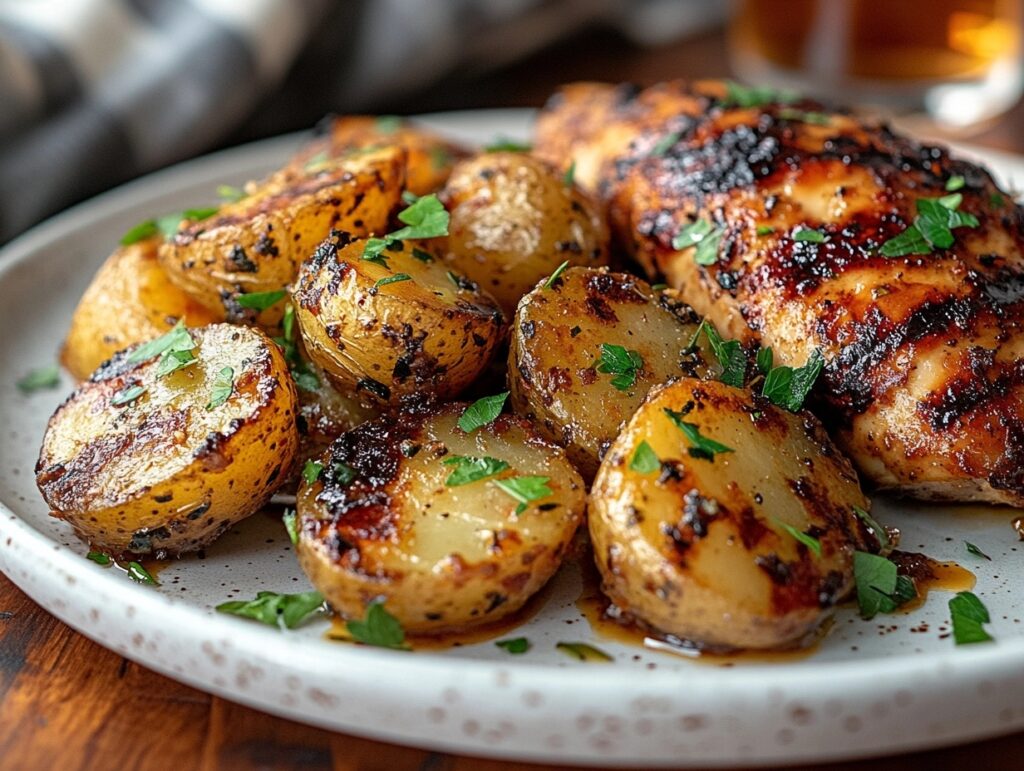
{"x": 66, "y": 703}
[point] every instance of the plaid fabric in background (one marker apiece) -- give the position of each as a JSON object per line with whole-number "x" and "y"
{"x": 95, "y": 92}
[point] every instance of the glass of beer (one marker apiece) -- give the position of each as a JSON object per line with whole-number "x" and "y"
{"x": 957, "y": 61}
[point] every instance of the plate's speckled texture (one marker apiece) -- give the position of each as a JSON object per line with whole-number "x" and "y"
{"x": 872, "y": 687}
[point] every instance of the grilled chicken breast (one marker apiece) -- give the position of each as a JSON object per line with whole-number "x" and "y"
{"x": 924, "y": 380}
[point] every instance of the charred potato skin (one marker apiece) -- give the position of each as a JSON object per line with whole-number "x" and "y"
{"x": 425, "y": 337}
{"x": 695, "y": 550}
{"x": 556, "y": 343}
{"x": 168, "y": 478}
{"x": 146, "y": 304}
{"x": 429, "y": 156}
{"x": 514, "y": 220}
{"x": 349, "y": 533}
{"x": 256, "y": 244}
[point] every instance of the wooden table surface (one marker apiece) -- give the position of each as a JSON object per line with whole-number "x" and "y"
{"x": 67, "y": 703}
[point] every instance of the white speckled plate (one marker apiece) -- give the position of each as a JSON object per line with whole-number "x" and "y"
{"x": 895, "y": 683}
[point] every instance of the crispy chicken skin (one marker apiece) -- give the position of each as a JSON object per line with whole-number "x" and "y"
{"x": 924, "y": 381}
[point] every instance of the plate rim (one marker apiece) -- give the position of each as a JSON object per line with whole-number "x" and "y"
{"x": 970, "y": 663}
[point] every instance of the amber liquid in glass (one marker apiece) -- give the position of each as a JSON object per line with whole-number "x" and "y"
{"x": 958, "y": 60}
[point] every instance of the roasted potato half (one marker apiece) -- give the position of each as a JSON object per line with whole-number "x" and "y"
{"x": 429, "y": 156}
{"x": 692, "y": 539}
{"x": 428, "y": 332}
{"x": 514, "y": 220}
{"x": 144, "y": 463}
{"x": 385, "y": 523}
{"x": 561, "y": 337}
{"x": 256, "y": 244}
{"x": 130, "y": 300}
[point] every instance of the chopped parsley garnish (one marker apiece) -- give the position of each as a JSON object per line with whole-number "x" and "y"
{"x": 583, "y": 652}
{"x": 312, "y": 471}
{"x": 954, "y": 183}
{"x": 223, "y": 385}
{"x": 426, "y": 218}
{"x": 514, "y": 644}
{"x": 788, "y": 387}
{"x": 172, "y": 361}
{"x": 461, "y": 283}
{"x": 997, "y": 200}
{"x": 273, "y": 609}
{"x": 624, "y": 364}
{"x": 880, "y": 533}
{"x": 971, "y": 548}
{"x": 809, "y": 541}
{"x": 704, "y": 236}
{"x": 968, "y": 615}
{"x": 138, "y": 573}
{"x": 98, "y": 557}
{"x": 729, "y": 353}
{"x": 932, "y": 228}
{"x": 230, "y": 193}
{"x": 570, "y": 175}
{"x": 472, "y": 469}
{"x": 387, "y": 124}
{"x": 700, "y": 445}
{"x": 38, "y": 379}
{"x": 481, "y": 412}
{"x": 644, "y": 460}
{"x": 342, "y": 473}
{"x": 127, "y": 395}
{"x": 556, "y": 275}
{"x": 738, "y": 95}
{"x": 391, "y": 280}
{"x": 505, "y": 145}
{"x": 664, "y": 144}
{"x": 260, "y": 301}
{"x": 658, "y": 287}
{"x": 291, "y": 525}
{"x": 806, "y": 116}
{"x": 526, "y": 490}
{"x": 765, "y": 230}
{"x": 880, "y": 589}
{"x": 166, "y": 225}
{"x": 408, "y": 196}
{"x": 421, "y": 255}
{"x": 809, "y": 235}
{"x": 378, "y": 628}
{"x": 176, "y": 339}
{"x": 765, "y": 359}
{"x": 304, "y": 377}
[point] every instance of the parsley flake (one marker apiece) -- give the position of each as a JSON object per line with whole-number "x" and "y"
{"x": 139, "y": 232}
{"x": 729, "y": 353}
{"x": 583, "y": 652}
{"x": 139, "y": 574}
{"x": 877, "y": 530}
{"x": 472, "y": 469}
{"x": 765, "y": 230}
{"x": 968, "y": 614}
{"x": 932, "y": 228}
{"x": 644, "y": 460}
{"x": 514, "y": 644}
{"x": 425, "y": 218}
{"x": 569, "y": 179}
{"x": 738, "y": 95}
{"x": 98, "y": 557}
{"x": 312, "y": 471}
{"x": 809, "y": 235}
{"x": 624, "y": 364}
{"x": 505, "y": 145}
{"x": 526, "y": 489}
{"x": 387, "y": 124}
{"x": 664, "y": 144}
{"x": 392, "y": 280}
{"x": 127, "y": 395}
{"x": 972, "y": 549}
{"x": 481, "y": 412}
{"x": 273, "y": 609}
{"x": 701, "y": 446}
{"x": 809, "y": 541}
{"x": 765, "y": 359}
{"x": 954, "y": 183}
{"x": 378, "y": 628}
{"x": 230, "y": 193}
{"x": 260, "y": 301}
{"x": 223, "y": 385}
{"x": 176, "y": 339}
{"x": 788, "y": 387}
{"x": 39, "y": 379}
{"x": 880, "y": 589}
{"x": 291, "y": 525}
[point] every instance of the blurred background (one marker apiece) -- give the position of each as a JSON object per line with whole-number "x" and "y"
{"x": 96, "y": 92}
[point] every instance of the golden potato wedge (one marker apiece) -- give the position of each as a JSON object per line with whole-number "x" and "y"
{"x": 555, "y": 357}
{"x": 130, "y": 300}
{"x": 514, "y": 220}
{"x": 382, "y": 522}
{"x": 143, "y": 463}
{"x": 256, "y": 244}
{"x": 695, "y": 544}
{"x": 429, "y": 156}
{"x": 428, "y": 334}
